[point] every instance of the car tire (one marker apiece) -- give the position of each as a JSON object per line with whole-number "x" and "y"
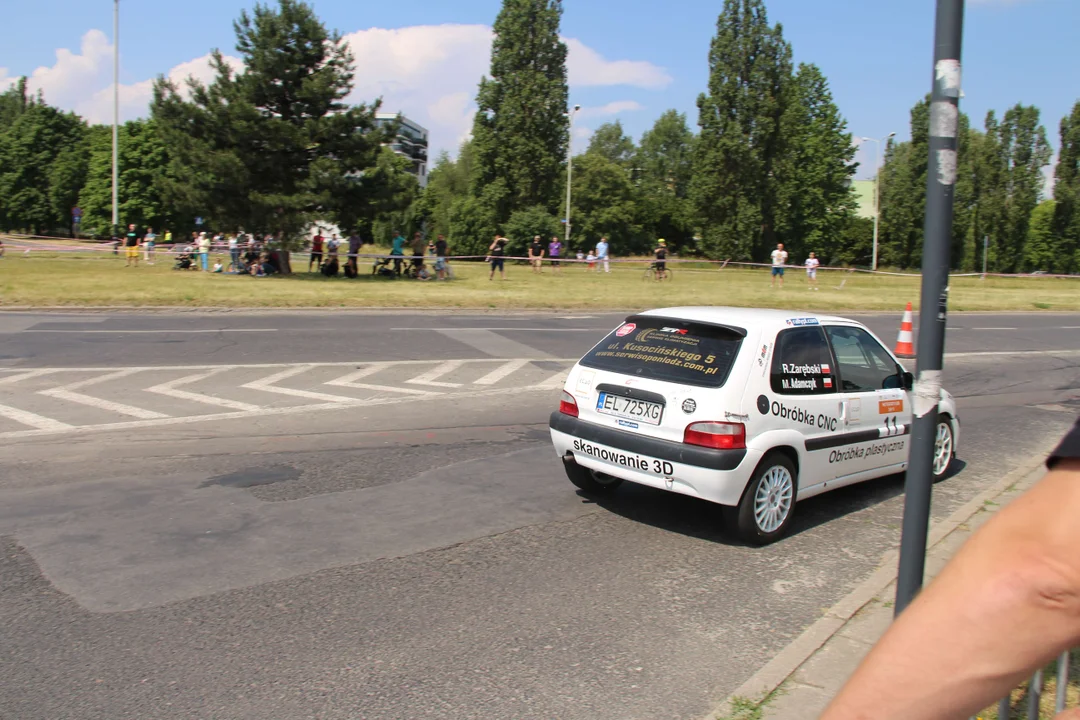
{"x": 944, "y": 447}
{"x": 595, "y": 483}
{"x": 767, "y": 507}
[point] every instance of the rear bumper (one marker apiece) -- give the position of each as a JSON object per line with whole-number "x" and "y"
{"x": 715, "y": 475}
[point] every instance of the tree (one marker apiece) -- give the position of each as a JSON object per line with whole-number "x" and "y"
{"x": 815, "y": 201}
{"x": 525, "y": 224}
{"x": 903, "y": 193}
{"x": 1067, "y": 194}
{"x": 520, "y": 131}
{"x": 448, "y": 182}
{"x": 37, "y": 136}
{"x": 664, "y": 165}
{"x": 143, "y": 157}
{"x": 1040, "y": 251}
{"x": 735, "y": 186}
{"x": 1025, "y": 152}
{"x": 273, "y": 146}
{"x": 611, "y": 142}
{"x": 604, "y": 205}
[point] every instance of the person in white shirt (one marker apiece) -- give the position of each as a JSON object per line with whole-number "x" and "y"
{"x": 149, "y": 239}
{"x": 811, "y": 271}
{"x": 779, "y": 260}
{"x": 602, "y": 254}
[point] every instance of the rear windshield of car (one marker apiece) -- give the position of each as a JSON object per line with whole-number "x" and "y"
{"x": 676, "y": 351}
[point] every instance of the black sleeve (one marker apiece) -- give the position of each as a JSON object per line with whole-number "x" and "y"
{"x": 1068, "y": 448}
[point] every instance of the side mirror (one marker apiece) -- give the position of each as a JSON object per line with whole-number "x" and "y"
{"x": 909, "y": 380}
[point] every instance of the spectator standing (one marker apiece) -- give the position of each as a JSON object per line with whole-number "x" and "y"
{"x": 536, "y": 254}
{"x": 332, "y": 246}
{"x": 779, "y": 260}
{"x": 440, "y": 258}
{"x": 234, "y": 253}
{"x": 602, "y": 253}
{"x": 354, "y": 249}
{"x": 149, "y": 239}
{"x": 316, "y": 257}
{"x": 497, "y": 257}
{"x": 554, "y": 253}
{"x": 204, "y": 252}
{"x": 812, "y": 264}
{"x": 167, "y": 237}
{"x": 131, "y": 245}
{"x": 397, "y": 247}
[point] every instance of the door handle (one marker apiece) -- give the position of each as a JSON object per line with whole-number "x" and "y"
{"x": 843, "y": 412}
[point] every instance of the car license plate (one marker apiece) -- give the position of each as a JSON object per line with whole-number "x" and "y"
{"x": 629, "y": 408}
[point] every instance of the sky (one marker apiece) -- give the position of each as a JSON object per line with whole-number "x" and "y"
{"x": 629, "y": 60}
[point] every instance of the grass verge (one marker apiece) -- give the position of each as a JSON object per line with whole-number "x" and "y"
{"x": 101, "y": 279}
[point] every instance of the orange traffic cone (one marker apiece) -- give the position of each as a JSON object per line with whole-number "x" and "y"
{"x": 905, "y": 342}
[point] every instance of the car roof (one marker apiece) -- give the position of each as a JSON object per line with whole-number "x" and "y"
{"x": 737, "y": 316}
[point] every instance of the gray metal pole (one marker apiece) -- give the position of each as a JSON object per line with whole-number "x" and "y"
{"x": 940, "y": 187}
{"x": 569, "y": 174}
{"x": 116, "y": 115}
{"x": 986, "y": 247}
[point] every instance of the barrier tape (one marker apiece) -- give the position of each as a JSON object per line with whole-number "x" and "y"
{"x": 26, "y": 243}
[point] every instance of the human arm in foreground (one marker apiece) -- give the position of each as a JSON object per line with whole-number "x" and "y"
{"x": 1007, "y": 603}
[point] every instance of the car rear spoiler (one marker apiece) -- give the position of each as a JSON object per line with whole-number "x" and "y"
{"x": 741, "y": 332}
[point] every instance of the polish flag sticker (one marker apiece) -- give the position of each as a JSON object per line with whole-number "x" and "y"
{"x": 828, "y": 382}
{"x": 825, "y": 370}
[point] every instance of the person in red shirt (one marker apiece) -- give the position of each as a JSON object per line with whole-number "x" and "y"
{"x": 316, "y": 250}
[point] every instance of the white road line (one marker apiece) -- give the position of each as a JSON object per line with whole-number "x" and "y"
{"x": 33, "y": 420}
{"x": 266, "y": 384}
{"x": 349, "y": 381}
{"x": 430, "y": 377}
{"x": 264, "y": 412}
{"x": 267, "y": 366}
{"x": 990, "y": 328}
{"x": 499, "y": 373}
{"x": 994, "y": 353}
{"x": 555, "y": 381}
{"x": 136, "y": 332}
{"x": 24, "y": 376}
{"x": 67, "y": 392}
{"x": 169, "y": 389}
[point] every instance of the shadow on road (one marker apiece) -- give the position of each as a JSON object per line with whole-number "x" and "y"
{"x": 701, "y": 519}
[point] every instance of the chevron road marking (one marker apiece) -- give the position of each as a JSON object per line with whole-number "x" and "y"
{"x": 169, "y": 389}
{"x": 267, "y": 385}
{"x": 429, "y": 378}
{"x": 499, "y": 373}
{"x": 67, "y": 392}
{"x": 33, "y": 420}
{"x": 349, "y": 381}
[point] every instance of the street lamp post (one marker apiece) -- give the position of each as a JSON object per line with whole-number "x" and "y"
{"x": 569, "y": 170}
{"x": 877, "y": 192}
{"x": 116, "y": 115}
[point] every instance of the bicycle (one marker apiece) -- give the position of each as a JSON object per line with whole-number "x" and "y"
{"x": 651, "y": 273}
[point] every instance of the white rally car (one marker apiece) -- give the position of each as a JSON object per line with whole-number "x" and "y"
{"x": 751, "y": 409}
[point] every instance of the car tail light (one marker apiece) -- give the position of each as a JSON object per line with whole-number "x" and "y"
{"x": 721, "y": 435}
{"x": 567, "y": 404}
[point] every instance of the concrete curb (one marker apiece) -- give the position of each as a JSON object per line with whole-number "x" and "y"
{"x": 773, "y": 674}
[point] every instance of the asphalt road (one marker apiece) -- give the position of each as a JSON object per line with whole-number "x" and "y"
{"x": 348, "y": 515}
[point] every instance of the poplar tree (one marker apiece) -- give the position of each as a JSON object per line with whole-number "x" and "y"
{"x": 735, "y": 183}
{"x": 520, "y": 131}
{"x": 1067, "y": 195}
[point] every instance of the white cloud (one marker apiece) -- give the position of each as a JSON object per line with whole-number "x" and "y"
{"x": 428, "y": 72}
{"x": 587, "y": 68}
{"x": 612, "y": 108}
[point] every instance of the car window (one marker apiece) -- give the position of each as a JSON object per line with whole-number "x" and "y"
{"x": 801, "y": 363}
{"x": 864, "y": 365}
{"x": 671, "y": 350}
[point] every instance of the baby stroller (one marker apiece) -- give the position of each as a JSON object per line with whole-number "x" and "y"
{"x": 381, "y": 267}
{"x": 183, "y": 261}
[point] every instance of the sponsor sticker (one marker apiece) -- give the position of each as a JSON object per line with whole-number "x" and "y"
{"x": 795, "y": 414}
{"x": 626, "y": 330}
{"x": 888, "y": 407}
{"x": 797, "y": 322}
{"x": 626, "y": 459}
{"x": 676, "y": 331}
{"x": 689, "y": 405}
{"x": 628, "y": 423}
{"x": 728, "y": 415}
{"x": 584, "y": 381}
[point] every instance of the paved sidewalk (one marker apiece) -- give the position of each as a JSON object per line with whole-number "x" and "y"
{"x": 799, "y": 682}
